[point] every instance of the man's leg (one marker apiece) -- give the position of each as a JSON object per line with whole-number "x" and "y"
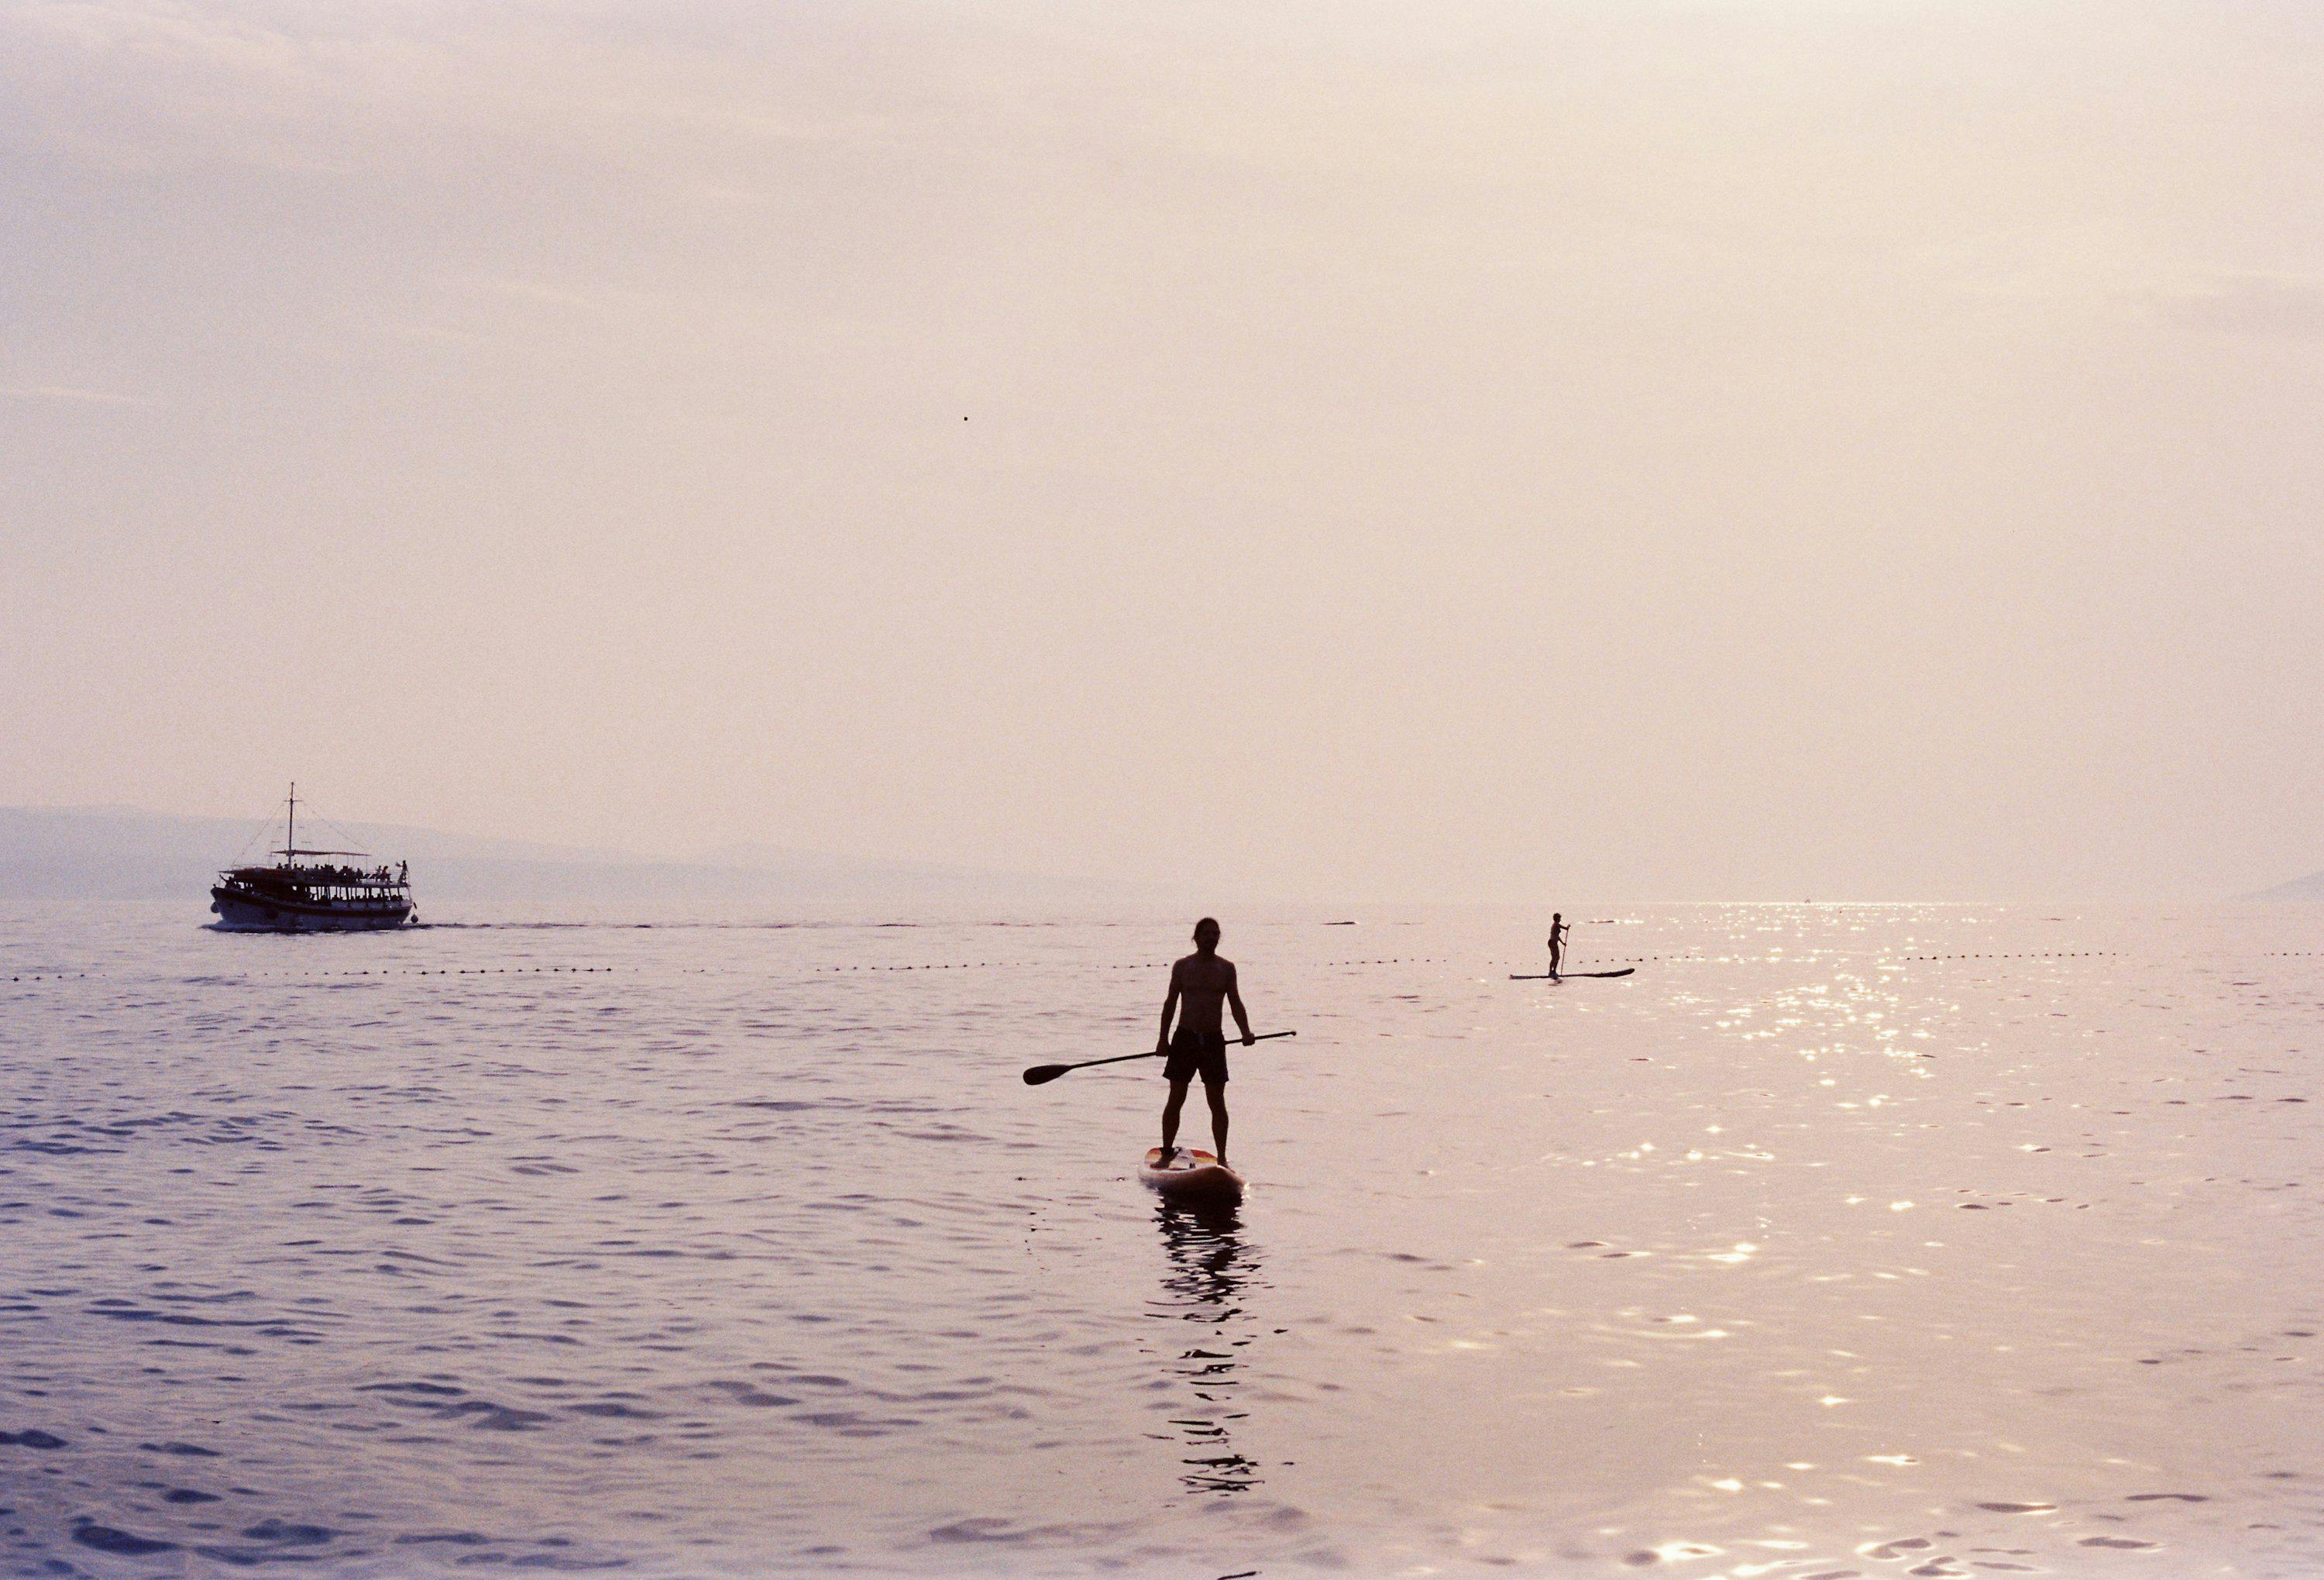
{"x": 1170, "y": 1115}
{"x": 1216, "y": 1091}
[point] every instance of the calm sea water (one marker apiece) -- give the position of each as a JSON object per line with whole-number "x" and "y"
{"x": 1870, "y": 1240}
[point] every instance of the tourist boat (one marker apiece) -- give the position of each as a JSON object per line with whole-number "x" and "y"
{"x": 303, "y": 893}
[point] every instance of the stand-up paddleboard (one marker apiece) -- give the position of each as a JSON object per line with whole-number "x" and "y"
{"x": 1560, "y": 977}
{"x": 1190, "y": 1175}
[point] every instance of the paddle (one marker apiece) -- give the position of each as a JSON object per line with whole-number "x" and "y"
{"x": 1042, "y": 1074}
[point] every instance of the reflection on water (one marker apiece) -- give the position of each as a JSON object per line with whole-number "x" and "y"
{"x": 1910, "y": 1241}
{"x": 1211, "y": 1268}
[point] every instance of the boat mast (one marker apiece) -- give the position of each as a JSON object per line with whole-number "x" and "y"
{"x": 290, "y": 829}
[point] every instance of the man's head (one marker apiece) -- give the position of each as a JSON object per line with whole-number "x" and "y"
{"x": 1206, "y": 934}
{"x": 1557, "y": 916}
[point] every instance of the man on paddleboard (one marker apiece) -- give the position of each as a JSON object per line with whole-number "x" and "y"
{"x": 1557, "y": 931}
{"x": 1199, "y": 985}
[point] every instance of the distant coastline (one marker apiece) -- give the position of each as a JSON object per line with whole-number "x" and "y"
{"x": 126, "y": 852}
{"x": 2310, "y": 887}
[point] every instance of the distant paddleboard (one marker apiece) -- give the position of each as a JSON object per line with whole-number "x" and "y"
{"x": 1190, "y": 1175}
{"x": 1563, "y": 975}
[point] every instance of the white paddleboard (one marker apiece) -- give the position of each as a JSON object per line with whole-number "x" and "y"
{"x": 1191, "y": 1173}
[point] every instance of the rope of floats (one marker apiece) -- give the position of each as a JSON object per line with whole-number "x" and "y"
{"x": 1802, "y": 958}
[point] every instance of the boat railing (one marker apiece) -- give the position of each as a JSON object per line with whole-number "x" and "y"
{"x": 348, "y": 884}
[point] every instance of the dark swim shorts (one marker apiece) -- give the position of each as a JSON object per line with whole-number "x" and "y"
{"x": 1196, "y": 1053}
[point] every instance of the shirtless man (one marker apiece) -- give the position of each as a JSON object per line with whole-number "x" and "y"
{"x": 1557, "y": 931}
{"x": 1199, "y": 985}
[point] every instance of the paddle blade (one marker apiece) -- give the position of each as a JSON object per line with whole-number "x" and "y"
{"x": 1042, "y": 1074}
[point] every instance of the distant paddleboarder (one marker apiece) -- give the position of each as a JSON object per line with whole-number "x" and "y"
{"x": 1199, "y": 985}
{"x": 1557, "y": 931}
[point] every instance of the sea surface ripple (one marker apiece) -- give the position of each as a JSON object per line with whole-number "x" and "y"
{"x": 1930, "y": 1241}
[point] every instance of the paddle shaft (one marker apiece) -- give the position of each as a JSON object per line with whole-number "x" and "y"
{"x": 1051, "y": 1072}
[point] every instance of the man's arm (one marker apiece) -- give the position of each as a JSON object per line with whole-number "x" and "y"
{"x": 1169, "y": 1008}
{"x": 1234, "y": 1003}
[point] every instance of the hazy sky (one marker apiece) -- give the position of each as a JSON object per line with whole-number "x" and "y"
{"x": 1760, "y": 448}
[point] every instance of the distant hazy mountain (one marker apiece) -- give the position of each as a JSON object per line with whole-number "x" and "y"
{"x": 2310, "y": 887}
{"x": 120, "y": 853}
{"x": 817, "y": 867}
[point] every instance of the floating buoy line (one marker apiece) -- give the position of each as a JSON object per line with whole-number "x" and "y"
{"x": 1810, "y": 958}
{"x": 387, "y": 971}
